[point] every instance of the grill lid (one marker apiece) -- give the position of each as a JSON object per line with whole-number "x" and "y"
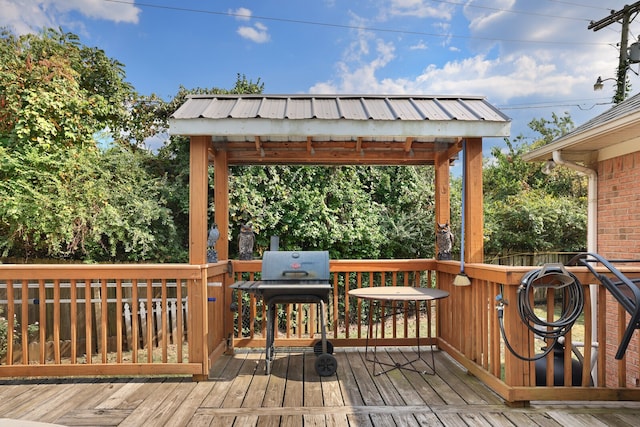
{"x": 298, "y": 266}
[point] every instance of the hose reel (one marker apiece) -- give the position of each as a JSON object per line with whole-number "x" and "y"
{"x": 550, "y": 276}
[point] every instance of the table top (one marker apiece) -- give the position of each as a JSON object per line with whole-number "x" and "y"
{"x": 399, "y": 293}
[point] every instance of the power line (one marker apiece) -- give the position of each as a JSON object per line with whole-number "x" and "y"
{"x": 554, "y": 105}
{"x": 351, "y": 27}
{"x": 519, "y": 12}
{"x": 580, "y": 5}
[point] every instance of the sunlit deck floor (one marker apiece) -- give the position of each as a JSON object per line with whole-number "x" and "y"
{"x": 240, "y": 394}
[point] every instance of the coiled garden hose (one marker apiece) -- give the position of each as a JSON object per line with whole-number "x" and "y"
{"x": 550, "y": 276}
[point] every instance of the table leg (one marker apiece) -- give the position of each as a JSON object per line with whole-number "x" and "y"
{"x": 431, "y": 366}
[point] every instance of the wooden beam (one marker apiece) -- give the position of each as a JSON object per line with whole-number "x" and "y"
{"x": 359, "y": 151}
{"x": 327, "y": 157}
{"x": 303, "y": 145}
{"x": 259, "y": 147}
{"x": 407, "y": 144}
{"x": 198, "y": 195}
{"x": 442, "y": 196}
{"x": 221, "y": 201}
{"x": 310, "y": 149}
{"x": 474, "y": 218}
{"x": 454, "y": 149}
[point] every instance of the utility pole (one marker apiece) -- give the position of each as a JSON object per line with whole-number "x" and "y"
{"x": 625, "y": 15}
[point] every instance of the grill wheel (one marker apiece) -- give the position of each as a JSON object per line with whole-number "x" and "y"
{"x": 326, "y": 365}
{"x": 317, "y": 348}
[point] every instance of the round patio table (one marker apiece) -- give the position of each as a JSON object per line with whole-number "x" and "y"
{"x": 378, "y": 295}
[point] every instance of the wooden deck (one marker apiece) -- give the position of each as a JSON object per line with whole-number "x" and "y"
{"x": 240, "y": 394}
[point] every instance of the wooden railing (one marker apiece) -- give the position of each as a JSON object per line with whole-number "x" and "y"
{"x": 177, "y": 319}
{"x": 470, "y": 332}
{"x": 298, "y": 324}
{"x": 61, "y": 320}
{"x": 465, "y": 325}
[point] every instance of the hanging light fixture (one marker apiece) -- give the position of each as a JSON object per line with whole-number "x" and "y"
{"x": 599, "y": 84}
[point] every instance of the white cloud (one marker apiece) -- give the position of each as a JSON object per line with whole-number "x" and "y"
{"x": 241, "y": 14}
{"x": 420, "y": 9}
{"x": 542, "y": 53}
{"x": 362, "y": 78}
{"x": 258, "y": 33}
{"x": 99, "y": 9}
{"x": 481, "y": 18}
{"x": 24, "y": 16}
{"x": 500, "y": 79}
{"x": 421, "y": 45}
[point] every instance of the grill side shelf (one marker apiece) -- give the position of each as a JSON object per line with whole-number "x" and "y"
{"x": 246, "y": 286}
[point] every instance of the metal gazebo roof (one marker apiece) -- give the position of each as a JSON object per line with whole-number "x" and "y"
{"x": 337, "y": 129}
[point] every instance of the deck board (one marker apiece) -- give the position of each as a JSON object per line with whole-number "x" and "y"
{"x": 239, "y": 393}
{"x": 277, "y": 381}
{"x": 150, "y": 411}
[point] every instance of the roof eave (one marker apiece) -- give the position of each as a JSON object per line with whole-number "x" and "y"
{"x": 340, "y": 128}
{"x": 573, "y": 141}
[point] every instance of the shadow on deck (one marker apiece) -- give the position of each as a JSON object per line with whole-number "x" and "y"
{"x": 240, "y": 394}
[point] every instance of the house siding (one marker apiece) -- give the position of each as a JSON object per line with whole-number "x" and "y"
{"x": 619, "y": 238}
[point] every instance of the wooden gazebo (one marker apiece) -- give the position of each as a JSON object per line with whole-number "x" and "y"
{"x": 334, "y": 130}
{"x": 191, "y": 325}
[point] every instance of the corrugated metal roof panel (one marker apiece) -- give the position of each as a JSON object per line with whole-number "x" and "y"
{"x": 324, "y": 108}
{"x": 352, "y": 109}
{"x": 335, "y": 107}
{"x": 457, "y": 109}
{"x": 246, "y": 108}
{"x": 379, "y": 109}
{"x": 192, "y": 108}
{"x": 272, "y": 108}
{"x": 218, "y": 109}
{"x": 430, "y": 109}
{"x": 405, "y": 109}
{"x": 483, "y": 109}
{"x": 298, "y": 109}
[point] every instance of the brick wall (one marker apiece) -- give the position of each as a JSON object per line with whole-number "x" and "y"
{"x": 619, "y": 237}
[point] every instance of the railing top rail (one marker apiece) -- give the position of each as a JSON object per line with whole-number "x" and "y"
{"x": 507, "y": 275}
{"x": 99, "y": 271}
{"x": 381, "y": 265}
{"x": 354, "y": 265}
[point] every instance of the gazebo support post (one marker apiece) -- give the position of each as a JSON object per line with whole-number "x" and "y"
{"x": 443, "y": 204}
{"x": 198, "y": 195}
{"x": 221, "y": 207}
{"x": 474, "y": 217}
{"x": 198, "y": 190}
{"x": 221, "y": 201}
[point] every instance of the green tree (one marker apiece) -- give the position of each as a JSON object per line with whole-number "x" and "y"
{"x": 61, "y": 195}
{"x": 406, "y": 194}
{"x": 528, "y": 209}
{"x": 353, "y": 211}
{"x": 171, "y": 163}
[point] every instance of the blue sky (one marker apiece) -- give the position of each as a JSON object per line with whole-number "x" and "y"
{"x": 528, "y": 57}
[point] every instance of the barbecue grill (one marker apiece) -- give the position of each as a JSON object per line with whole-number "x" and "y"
{"x": 294, "y": 277}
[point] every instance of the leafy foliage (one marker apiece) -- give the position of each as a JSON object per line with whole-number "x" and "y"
{"x": 527, "y": 210}
{"x": 77, "y": 182}
{"x": 355, "y": 211}
{"x": 63, "y": 197}
{"x": 32, "y": 330}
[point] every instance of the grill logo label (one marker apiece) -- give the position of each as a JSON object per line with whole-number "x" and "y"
{"x": 295, "y": 265}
